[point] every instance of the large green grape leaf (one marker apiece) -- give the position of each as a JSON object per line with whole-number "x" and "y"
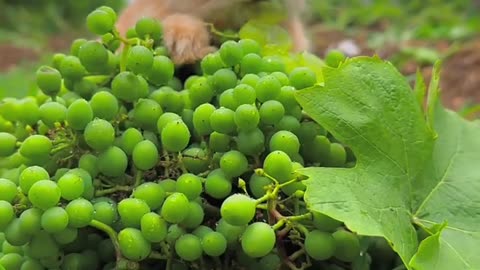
{"x": 400, "y": 177}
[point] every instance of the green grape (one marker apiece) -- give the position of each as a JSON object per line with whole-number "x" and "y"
{"x": 319, "y": 245}
{"x": 227, "y": 100}
{"x": 194, "y": 217}
{"x": 129, "y": 139}
{"x": 166, "y": 118}
{"x": 169, "y": 185}
{"x": 175, "y": 136}
{"x": 233, "y": 163}
{"x": 30, "y": 221}
{"x": 145, "y": 155}
{"x": 162, "y": 70}
{"x": 36, "y": 147}
{"x": 258, "y": 239}
{"x": 271, "y": 112}
{"x": 200, "y": 92}
{"x": 334, "y": 58}
{"x": 73, "y": 261}
{"x": 302, "y": 77}
{"x": 308, "y": 130}
{"x": 250, "y": 79}
{"x": 282, "y": 78}
{"x": 231, "y": 53}
{"x": 317, "y": 150}
{"x": 270, "y": 262}
{"x": 54, "y": 261}
{"x": 106, "y": 250}
{"x": 148, "y": 27}
{"x": 195, "y": 160}
{"x": 238, "y": 209}
{"x": 267, "y": 88}
{"x": 222, "y": 120}
{"x": 99, "y": 134}
{"x": 49, "y": 80}
{"x": 298, "y": 187}
{"x": 152, "y": 193}
{"x": 11, "y": 261}
{"x": 188, "y": 247}
{"x": 100, "y": 22}
{"x": 71, "y": 186}
{"x": 337, "y": 156}
{"x": 175, "y": 208}
{"x": 284, "y": 141}
{"x": 347, "y": 246}
{"x": 169, "y": 99}
{"x": 6, "y": 214}
{"x": 153, "y": 227}
{"x": 52, "y": 112}
{"x": 42, "y": 245}
{"x": 9, "y": 109}
{"x": 104, "y": 105}
{"x": 127, "y": 86}
{"x": 174, "y": 232}
{"x": 112, "y": 162}
{"x": 324, "y": 222}
{"x": 288, "y": 123}
{"x": 7, "y": 144}
{"x": 278, "y": 165}
{"x": 29, "y": 112}
{"x": 44, "y": 194}
{"x": 251, "y": 142}
{"x": 79, "y": 114}
{"x": 6, "y": 248}
{"x": 14, "y": 234}
{"x": 247, "y": 117}
{"x": 201, "y": 231}
{"x": 57, "y": 59}
{"x": 75, "y": 46}
{"x": 139, "y": 59}
{"x": 214, "y": 244}
{"x": 249, "y": 46}
{"x": 251, "y": 63}
{"x": 88, "y": 162}
{"x": 131, "y": 211}
{"x": 287, "y": 97}
{"x": 8, "y": 190}
{"x": 244, "y": 94}
{"x": 146, "y": 113}
{"x": 224, "y": 79}
{"x": 93, "y": 56}
{"x": 257, "y": 185}
{"x": 201, "y": 119}
{"x": 218, "y": 186}
{"x": 190, "y": 185}
{"x": 80, "y": 213}
{"x": 211, "y": 63}
{"x": 66, "y": 236}
{"x": 71, "y": 68}
{"x": 133, "y": 245}
{"x": 54, "y": 219}
{"x": 273, "y": 63}
{"x": 219, "y": 142}
{"x": 87, "y": 181}
{"x": 105, "y": 212}
{"x": 30, "y": 176}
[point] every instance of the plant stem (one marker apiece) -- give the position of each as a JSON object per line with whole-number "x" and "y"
{"x": 157, "y": 255}
{"x": 138, "y": 178}
{"x": 111, "y": 233}
{"x": 114, "y": 189}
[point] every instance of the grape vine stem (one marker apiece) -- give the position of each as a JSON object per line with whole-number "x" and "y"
{"x": 111, "y": 233}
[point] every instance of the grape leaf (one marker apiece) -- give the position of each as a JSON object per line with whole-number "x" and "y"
{"x": 401, "y": 176}
{"x": 367, "y": 104}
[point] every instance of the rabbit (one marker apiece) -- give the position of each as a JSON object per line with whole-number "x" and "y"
{"x": 186, "y": 34}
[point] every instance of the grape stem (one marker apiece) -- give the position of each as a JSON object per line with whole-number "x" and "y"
{"x": 157, "y": 255}
{"x": 114, "y": 189}
{"x": 111, "y": 233}
{"x": 138, "y": 178}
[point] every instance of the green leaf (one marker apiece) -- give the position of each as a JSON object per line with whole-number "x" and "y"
{"x": 450, "y": 192}
{"x": 401, "y": 176}
{"x": 368, "y": 105}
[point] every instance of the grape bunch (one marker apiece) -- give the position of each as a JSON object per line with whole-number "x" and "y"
{"x": 121, "y": 163}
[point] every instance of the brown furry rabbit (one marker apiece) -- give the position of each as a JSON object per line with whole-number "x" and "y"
{"x": 186, "y": 34}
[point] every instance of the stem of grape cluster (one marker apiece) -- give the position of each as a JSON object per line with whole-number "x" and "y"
{"x": 138, "y": 178}
{"x": 111, "y": 233}
{"x": 114, "y": 189}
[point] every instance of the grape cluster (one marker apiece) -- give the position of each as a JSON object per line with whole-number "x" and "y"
{"x": 119, "y": 164}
